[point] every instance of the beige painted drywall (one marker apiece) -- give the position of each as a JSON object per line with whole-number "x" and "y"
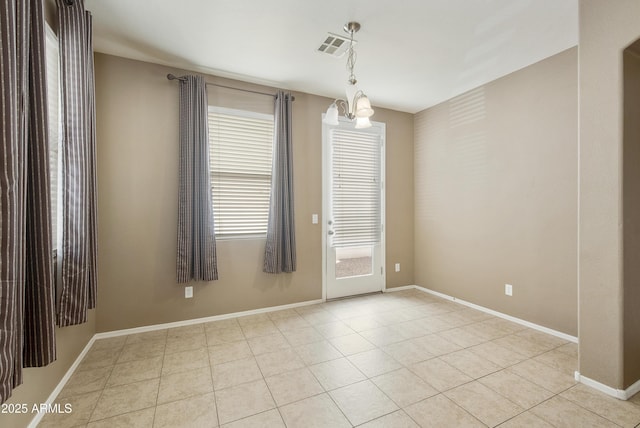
{"x": 40, "y": 382}
{"x": 496, "y": 194}
{"x": 606, "y": 29}
{"x": 631, "y": 214}
{"x": 137, "y": 131}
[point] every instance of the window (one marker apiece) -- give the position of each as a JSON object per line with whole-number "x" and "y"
{"x": 240, "y": 145}
{"x": 53, "y": 110}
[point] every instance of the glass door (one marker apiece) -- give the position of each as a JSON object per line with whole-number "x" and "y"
{"x": 353, "y": 209}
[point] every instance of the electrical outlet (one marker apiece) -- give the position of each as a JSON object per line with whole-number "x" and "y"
{"x": 508, "y": 289}
{"x": 314, "y": 218}
{"x": 397, "y": 267}
{"x": 188, "y": 292}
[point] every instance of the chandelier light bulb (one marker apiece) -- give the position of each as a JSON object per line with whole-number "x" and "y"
{"x": 363, "y": 107}
{"x": 331, "y": 116}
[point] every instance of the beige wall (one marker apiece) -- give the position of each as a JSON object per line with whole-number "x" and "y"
{"x": 40, "y": 382}
{"x": 606, "y": 29}
{"x": 51, "y": 13}
{"x": 631, "y": 214}
{"x": 137, "y": 126}
{"x": 496, "y": 194}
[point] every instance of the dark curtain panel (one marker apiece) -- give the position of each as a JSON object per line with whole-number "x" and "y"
{"x": 79, "y": 232}
{"x": 280, "y": 250}
{"x": 27, "y": 329}
{"x": 196, "y": 257}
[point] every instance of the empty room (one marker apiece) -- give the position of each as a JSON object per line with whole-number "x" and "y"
{"x": 330, "y": 214}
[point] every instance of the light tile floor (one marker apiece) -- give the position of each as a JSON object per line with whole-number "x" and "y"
{"x": 403, "y": 359}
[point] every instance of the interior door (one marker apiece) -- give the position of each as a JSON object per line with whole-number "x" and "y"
{"x": 353, "y": 169}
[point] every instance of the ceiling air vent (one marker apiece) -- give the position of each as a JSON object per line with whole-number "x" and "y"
{"x": 335, "y": 45}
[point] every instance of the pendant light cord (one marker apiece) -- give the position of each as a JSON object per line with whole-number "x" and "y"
{"x": 351, "y": 60}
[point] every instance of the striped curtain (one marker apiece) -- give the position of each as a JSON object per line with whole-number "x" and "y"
{"x": 280, "y": 250}
{"x": 196, "y": 256}
{"x": 27, "y": 329}
{"x": 79, "y": 200}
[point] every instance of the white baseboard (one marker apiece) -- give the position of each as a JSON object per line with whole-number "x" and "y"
{"x": 621, "y": 394}
{"x": 529, "y": 324}
{"x": 54, "y": 394}
{"x": 632, "y": 390}
{"x": 617, "y": 393}
{"x": 404, "y": 287}
{"x": 154, "y": 327}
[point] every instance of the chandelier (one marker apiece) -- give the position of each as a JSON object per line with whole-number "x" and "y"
{"x": 356, "y": 105}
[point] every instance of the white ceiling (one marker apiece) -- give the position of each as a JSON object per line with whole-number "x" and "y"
{"x": 412, "y": 54}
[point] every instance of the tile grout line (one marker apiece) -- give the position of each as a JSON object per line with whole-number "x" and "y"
{"x": 105, "y": 385}
{"x": 267, "y": 385}
{"x": 213, "y": 388}
{"x": 164, "y": 353}
{"x": 585, "y": 408}
{"x": 338, "y": 407}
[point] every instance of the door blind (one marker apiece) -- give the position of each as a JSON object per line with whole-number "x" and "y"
{"x": 241, "y": 145}
{"x": 356, "y": 188}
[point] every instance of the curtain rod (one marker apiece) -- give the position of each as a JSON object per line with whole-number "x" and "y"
{"x": 184, "y": 79}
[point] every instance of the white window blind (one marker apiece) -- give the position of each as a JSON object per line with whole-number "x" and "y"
{"x": 241, "y": 146}
{"x": 356, "y": 187}
{"x": 53, "y": 112}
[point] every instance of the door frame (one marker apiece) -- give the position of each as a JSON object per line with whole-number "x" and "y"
{"x": 326, "y": 182}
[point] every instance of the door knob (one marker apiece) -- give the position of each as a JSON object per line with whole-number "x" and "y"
{"x": 330, "y": 232}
